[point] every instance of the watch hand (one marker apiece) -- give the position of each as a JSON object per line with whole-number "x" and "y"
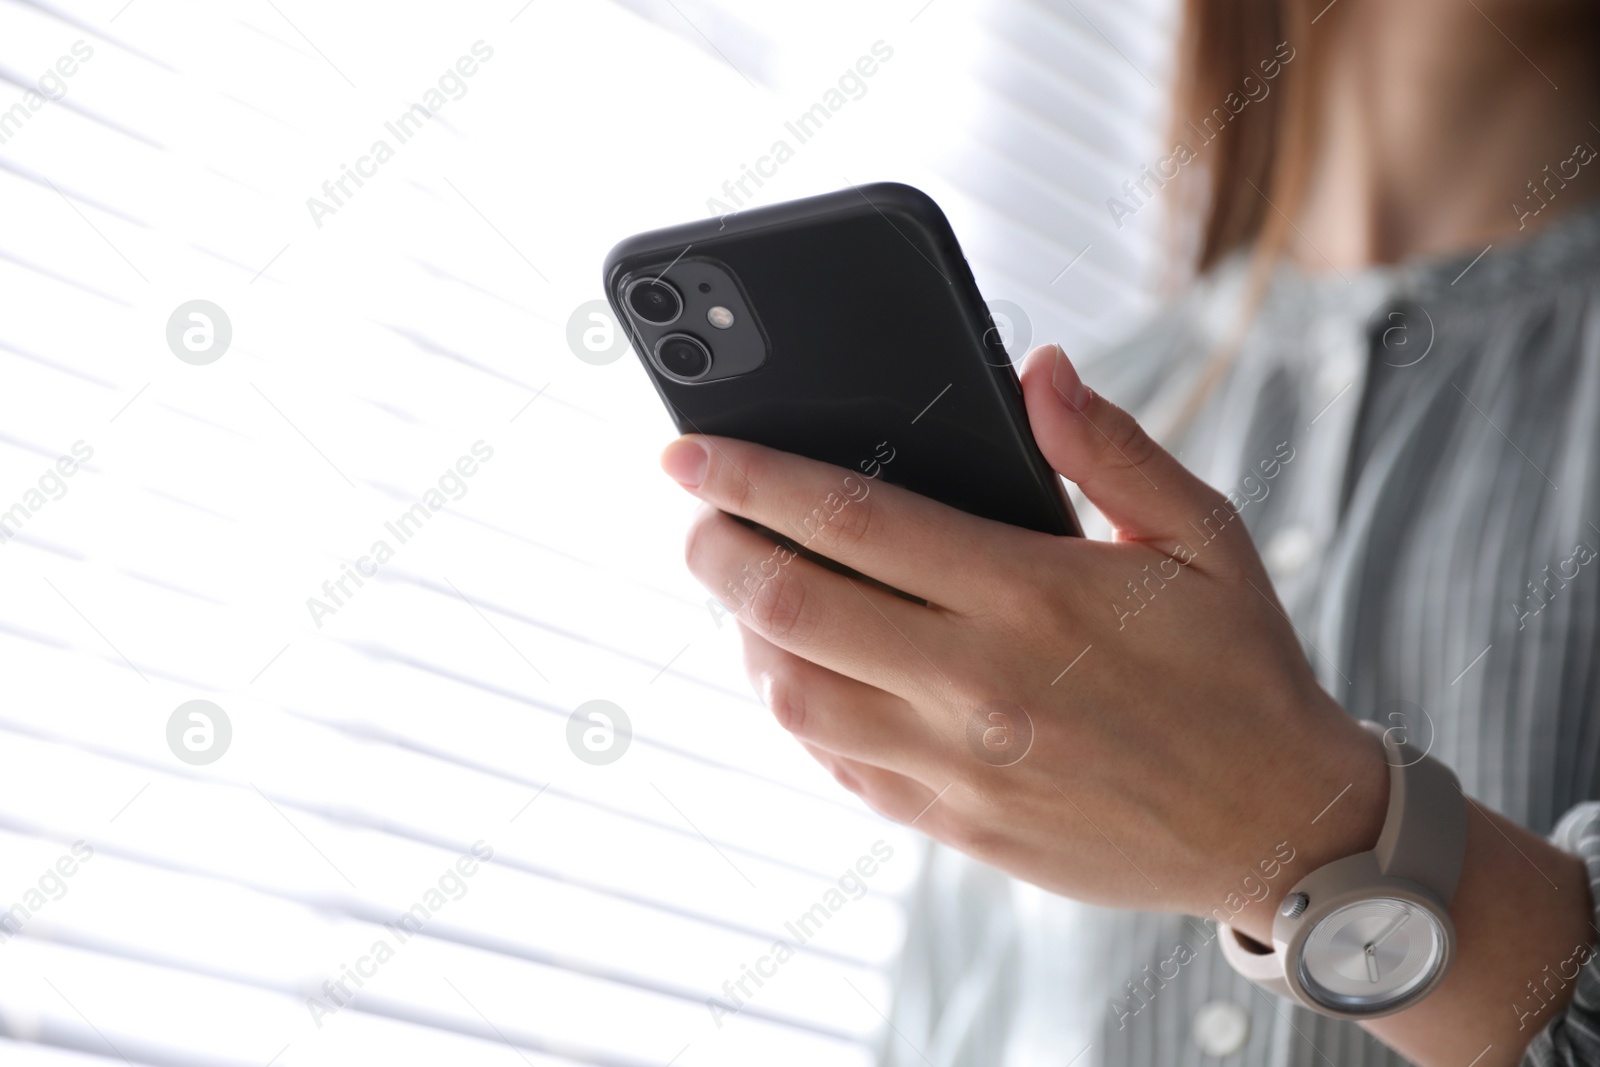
{"x": 1371, "y": 948}
{"x": 1387, "y": 934}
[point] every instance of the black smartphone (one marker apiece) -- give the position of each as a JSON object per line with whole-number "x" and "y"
{"x": 846, "y": 328}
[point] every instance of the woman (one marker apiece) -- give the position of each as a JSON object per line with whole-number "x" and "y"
{"x": 1386, "y": 378}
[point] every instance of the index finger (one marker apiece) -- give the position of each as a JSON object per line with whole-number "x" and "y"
{"x": 905, "y": 540}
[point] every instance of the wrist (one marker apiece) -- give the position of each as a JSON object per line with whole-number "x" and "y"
{"x": 1330, "y": 804}
{"x": 1523, "y": 920}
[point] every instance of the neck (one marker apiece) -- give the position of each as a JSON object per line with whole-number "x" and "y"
{"x": 1445, "y": 126}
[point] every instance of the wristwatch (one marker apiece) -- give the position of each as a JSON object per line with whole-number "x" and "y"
{"x": 1370, "y": 934}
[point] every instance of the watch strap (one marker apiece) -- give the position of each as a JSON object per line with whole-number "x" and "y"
{"x": 1424, "y": 838}
{"x": 1254, "y": 961}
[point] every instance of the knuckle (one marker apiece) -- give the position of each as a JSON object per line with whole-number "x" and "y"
{"x": 1015, "y": 597}
{"x": 786, "y": 699}
{"x": 778, "y": 608}
{"x": 736, "y": 480}
{"x": 847, "y": 778}
{"x": 1124, "y": 443}
{"x": 848, "y": 528}
{"x": 1218, "y": 509}
{"x": 759, "y": 663}
{"x": 1232, "y": 538}
{"x": 883, "y": 801}
{"x": 697, "y": 542}
{"x": 1024, "y": 596}
{"x": 836, "y": 767}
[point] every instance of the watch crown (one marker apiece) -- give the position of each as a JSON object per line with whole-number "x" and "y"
{"x": 1294, "y": 905}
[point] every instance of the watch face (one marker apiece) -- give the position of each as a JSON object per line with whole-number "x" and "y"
{"x": 1368, "y": 955}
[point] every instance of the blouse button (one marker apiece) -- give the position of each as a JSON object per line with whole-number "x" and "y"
{"x": 1289, "y": 550}
{"x": 1220, "y": 1028}
{"x": 1336, "y": 374}
{"x": 1339, "y": 358}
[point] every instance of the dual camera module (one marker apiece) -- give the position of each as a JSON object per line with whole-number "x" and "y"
{"x": 692, "y": 320}
{"x": 658, "y": 303}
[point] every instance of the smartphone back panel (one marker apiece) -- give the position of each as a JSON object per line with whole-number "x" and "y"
{"x": 861, "y": 335}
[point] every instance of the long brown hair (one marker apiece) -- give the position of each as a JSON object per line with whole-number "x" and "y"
{"x": 1244, "y": 185}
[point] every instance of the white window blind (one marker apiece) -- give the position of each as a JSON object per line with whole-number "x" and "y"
{"x": 400, "y": 745}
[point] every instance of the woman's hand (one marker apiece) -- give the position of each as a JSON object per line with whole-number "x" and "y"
{"x": 1129, "y": 722}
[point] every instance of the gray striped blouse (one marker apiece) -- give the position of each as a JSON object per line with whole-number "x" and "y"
{"x": 1433, "y": 534}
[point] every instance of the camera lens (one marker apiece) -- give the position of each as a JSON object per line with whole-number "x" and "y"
{"x": 683, "y": 356}
{"x": 654, "y": 301}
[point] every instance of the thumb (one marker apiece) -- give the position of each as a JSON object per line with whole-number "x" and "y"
{"x": 1141, "y": 489}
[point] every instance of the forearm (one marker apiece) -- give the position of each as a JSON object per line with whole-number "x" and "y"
{"x": 1523, "y": 915}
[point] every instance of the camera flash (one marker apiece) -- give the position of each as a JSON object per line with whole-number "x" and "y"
{"x": 720, "y": 317}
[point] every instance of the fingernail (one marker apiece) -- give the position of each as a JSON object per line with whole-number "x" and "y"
{"x": 685, "y": 462}
{"x": 1069, "y": 387}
